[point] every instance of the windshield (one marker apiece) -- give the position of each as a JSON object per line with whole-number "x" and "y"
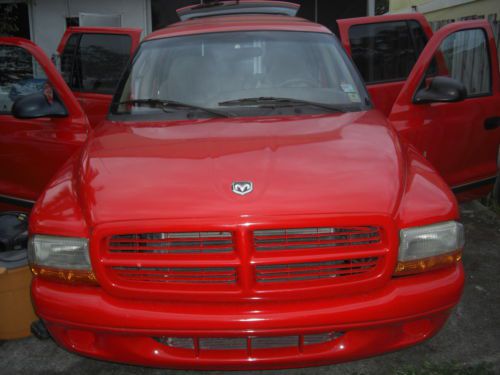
{"x": 239, "y": 73}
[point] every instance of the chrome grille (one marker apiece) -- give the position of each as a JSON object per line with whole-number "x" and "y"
{"x": 219, "y": 343}
{"x": 208, "y": 275}
{"x": 177, "y": 342}
{"x": 314, "y": 271}
{"x": 172, "y": 243}
{"x": 248, "y": 343}
{"x": 321, "y": 338}
{"x": 224, "y": 265}
{"x": 274, "y": 342}
{"x": 314, "y": 238}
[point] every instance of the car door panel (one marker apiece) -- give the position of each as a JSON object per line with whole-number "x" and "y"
{"x": 384, "y": 89}
{"x": 455, "y": 137}
{"x": 34, "y": 149}
{"x": 383, "y": 95}
{"x": 91, "y": 51}
{"x": 96, "y": 106}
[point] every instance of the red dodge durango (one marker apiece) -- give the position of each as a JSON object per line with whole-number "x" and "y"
{"x": 248, "y": 203}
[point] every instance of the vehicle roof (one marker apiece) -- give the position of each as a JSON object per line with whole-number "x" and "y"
{"x": 238, "y": 22}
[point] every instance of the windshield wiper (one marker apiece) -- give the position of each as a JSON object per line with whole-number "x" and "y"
{"x": 274, "y": 101}
{"x": 166, "y": 104}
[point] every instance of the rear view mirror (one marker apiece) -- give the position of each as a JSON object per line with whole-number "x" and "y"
{"x": 441, "y": 89}
{"x": 246, "y": 53}
{"x": 38, "y": 105}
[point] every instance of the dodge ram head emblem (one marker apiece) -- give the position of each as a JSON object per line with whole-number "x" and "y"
{"x": 242, "y": 188}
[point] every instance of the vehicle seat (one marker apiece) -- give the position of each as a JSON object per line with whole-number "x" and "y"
{"x": 296, "y": 69}
{"x": 190, "y": 80}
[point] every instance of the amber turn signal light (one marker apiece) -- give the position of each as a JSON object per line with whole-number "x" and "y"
{"x": 66, "y": 276}
{"x": 412, "y": 267}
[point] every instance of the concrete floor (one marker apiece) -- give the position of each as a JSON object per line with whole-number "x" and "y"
{"x": 471, "y": 336}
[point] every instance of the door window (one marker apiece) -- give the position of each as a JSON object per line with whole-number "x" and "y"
{"x": 386, "y": 51}
{"x": 20, "y": 75}
{"x": 464, "y": 56}
{"x": 94, "y": 62}
{"x": 68, "y": 60}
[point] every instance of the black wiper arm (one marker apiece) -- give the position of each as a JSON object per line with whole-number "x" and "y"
{"x": 165, "y": 104}
{"x": 271, "y": 100}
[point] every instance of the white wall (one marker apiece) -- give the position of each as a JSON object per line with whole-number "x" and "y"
{"x": 48, "y": 17}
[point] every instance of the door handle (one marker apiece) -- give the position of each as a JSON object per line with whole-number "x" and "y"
{"x": 492, "y": 123}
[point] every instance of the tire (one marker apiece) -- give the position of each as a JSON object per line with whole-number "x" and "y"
{"x": 496, "y": 188}
{"x": 496, "y": 191}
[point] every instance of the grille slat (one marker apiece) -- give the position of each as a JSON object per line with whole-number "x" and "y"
{"x": 172, "y": 243}
{"x": 314, "y": 238}
{"x": 163, "y": 250}
{"x": 224, "y": 275}
{"x": 314, "y": 271}
{"x": 340, "y": 243}
{"x": 319, "y": 267}
{"x": 318, "y": 233}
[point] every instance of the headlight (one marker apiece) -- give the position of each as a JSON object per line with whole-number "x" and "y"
{"x": 60, "y": 252}
{"x": 61, "y": 258}
{"x": 430, "y": 247}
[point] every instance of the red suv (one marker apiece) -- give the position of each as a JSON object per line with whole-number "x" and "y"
{"x": 245, "y": 204}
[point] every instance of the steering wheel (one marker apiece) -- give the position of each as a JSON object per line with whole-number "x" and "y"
{"x": 298, "y": 82}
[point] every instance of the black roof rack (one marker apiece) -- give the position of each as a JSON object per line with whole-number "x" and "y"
{"x": 217, "y": 8}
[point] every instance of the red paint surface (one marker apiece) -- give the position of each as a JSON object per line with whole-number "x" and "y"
{"x": 32, "y": 151}
{"x": 102, "y": 200}
{"x": 402, "y": 313}
{"x": 353, "y": 169}
{"x": 238, "y": 23}
{"x": 452, "y": 135}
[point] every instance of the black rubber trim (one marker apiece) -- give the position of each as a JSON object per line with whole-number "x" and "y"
{"x": 474, "y": 185}
{"x": 492, "y": 123}
{"x": 39, "y": 330}
{"x": 16, "y": 201}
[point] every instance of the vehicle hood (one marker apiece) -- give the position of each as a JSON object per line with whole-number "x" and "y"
{"x": 324, "y": 164}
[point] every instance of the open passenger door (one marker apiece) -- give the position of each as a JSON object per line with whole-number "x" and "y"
{"x": 452, "y": 115}
{"x": 92, "y": 60}
{"x": 48, "y": 127}
{"x": 385, "y": 49}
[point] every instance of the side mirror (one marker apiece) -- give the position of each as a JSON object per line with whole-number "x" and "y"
{"x": 441, "y": 89}
{"x": 37, "y": 105}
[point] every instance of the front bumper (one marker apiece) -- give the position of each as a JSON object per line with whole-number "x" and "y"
{"x": 406, "y": 311}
